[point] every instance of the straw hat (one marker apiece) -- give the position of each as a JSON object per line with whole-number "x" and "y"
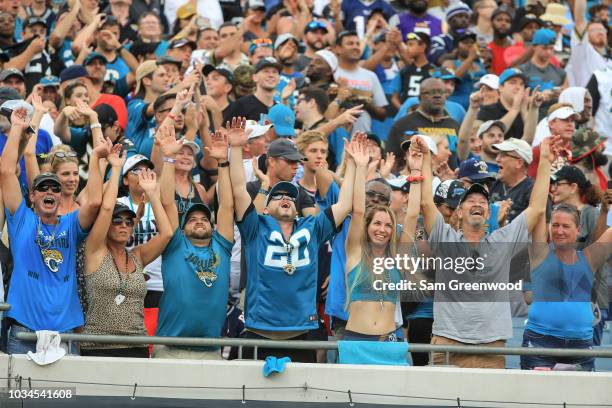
{"x": 556, "y": 14}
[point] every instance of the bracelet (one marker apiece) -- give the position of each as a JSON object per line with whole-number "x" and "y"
{"x": 171, "y": 116}
{"x": 415, "y": 179}
{"x": 415, "y": 170}
{"x": 223, "y": 164}
{"x": 119, "y": 49}
{"x": 95, "y": 126}
{"x": 264, "y": 192}
{"x": 169, "y": 160}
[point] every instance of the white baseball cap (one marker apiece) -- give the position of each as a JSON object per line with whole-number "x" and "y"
{"x": 131, "y": 162}
{"x": 405, "y": 145}
{"x": 490, "y": 80}
{"x": 561, "y": 113}
{"x": 257, "y": 129}
{"x": 521, "y": 147}
{"x": 488, "y": 125}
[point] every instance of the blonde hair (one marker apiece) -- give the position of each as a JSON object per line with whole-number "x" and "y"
{"x": 55, "y": 162}
{"x": 309, "y": 137}
{"x": 367, "y": 258}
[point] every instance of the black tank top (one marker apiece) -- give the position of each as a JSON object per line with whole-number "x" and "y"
{"x": 183, "y": 204}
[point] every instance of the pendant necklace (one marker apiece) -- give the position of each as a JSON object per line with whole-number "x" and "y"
{"x": 120, "y": 298}
{"x": 52, "y": 258}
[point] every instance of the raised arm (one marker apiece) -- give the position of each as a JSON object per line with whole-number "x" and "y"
{"x": 539, "y": 193}
{"x": 169, "y": 147}
{"x": 11, "y": 188}
{"x": 579, "y": 13}
{"x": 430, "y": 211}
{"x": 409, "y": 226}
{"x": 63, "y": 26}
{"x": 237, "y": 138}
{"x": 94, "y": 186}
{"x": 358, "y": 148}
{"x": 29, "y": 154}
{"x": 95, "y": 243}
{"x": 225, "y": 215}
{"x": 360, "y": 158}
{"x": 533, "y": 108}
{"x": 156, "y": 245}
{"x": 463, "y": 149}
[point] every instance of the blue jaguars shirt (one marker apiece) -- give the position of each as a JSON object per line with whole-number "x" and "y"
{"x": 140, "y": 130}
{"x": 275, "y": 300}
{"x": 196, "y": 287}
{"x": 44, "y": 297}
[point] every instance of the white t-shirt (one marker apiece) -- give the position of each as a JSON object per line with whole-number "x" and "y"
{"x": 143, "y": 232}
{"x": 584, "y": 61}
{"x": 364, "y": 80}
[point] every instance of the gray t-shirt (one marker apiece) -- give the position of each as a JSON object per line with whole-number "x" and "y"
{"x": 483, "y": 321}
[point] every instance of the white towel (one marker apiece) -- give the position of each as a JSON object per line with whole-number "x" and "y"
{"x": 48, "y": 348}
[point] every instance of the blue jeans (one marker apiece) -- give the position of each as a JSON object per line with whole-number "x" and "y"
{"x": 16, "y": 346}
{"x": 598, "y": 329}
{"x": 536, "y": 340}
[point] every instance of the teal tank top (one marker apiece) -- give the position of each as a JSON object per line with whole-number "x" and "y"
{"x": 366, "y": 288}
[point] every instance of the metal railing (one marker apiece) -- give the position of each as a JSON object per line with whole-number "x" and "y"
{"x": 598, "y": 352}
{"x": 4, "y": 306}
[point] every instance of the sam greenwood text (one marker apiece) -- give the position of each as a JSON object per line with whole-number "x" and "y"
{"x": 454, "y": 285}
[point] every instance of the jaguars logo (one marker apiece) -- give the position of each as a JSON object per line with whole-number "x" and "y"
{"x": 208, "y": 277}
{"x": 52, "y": 258}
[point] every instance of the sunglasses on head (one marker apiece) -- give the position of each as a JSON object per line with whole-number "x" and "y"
{"x": 314, "y": 25}
{"x": 262, "y": 41}
{"x": 280, "y": 196}
{"x": 46, "y": 187}
{"x": 125, "y": 221}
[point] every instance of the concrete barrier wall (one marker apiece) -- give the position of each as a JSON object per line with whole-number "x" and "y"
{"x": 317, "y": 384}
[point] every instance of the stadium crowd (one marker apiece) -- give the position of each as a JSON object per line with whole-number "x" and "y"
{"x": 235, "y": 168}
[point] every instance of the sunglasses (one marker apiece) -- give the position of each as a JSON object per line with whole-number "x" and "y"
{"x": 315, "y": 25}
{"x": 277, "y": 197}
{"x": 262, "y": 41}
{"x": 137, "y": 171}
{"x": 46, "y": 187}
{"x": 128, "y": 222}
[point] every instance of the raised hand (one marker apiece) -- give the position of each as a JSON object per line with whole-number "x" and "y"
{"x": 444, "y": 172}
{"x": 536, "y": 99}
{"x": 265, "y": 180}
{"x": 386, "y": 165}
{"x": 72, "y": 113}
{"x": 141, "y": 208}
{"x": 360, "y": 153}
{"x": 476, "y": 100}
{"x": 415, "y": 159}
{"x": 147, "y": 180}
{"x": 166, "y": 138}
{"x": 289, "y": 89}
{"x": 420, "y": 145}
{"x": 235, "y": 130}
{"x": 349, "y": 116}
{"x": 104, "y": 149}
{"x": 85, "y": 110}
{"x": 116, "y": 157}
{"x": 549, "y": 148}
{"x": 219, "y": 146}
{"x": 37, "y": 103}
{"x": 20, "y": 118}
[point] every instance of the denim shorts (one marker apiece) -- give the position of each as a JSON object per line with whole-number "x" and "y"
{"x": 16, "y": 346}
{"x": 536, "y": 340}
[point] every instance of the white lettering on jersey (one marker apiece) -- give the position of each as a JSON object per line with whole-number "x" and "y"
{"x": 299, "y": 241}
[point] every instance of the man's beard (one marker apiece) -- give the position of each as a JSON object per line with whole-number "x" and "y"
{"x": 287, "y": 62}
{"x": 500, "y": 35}
{"x": 315, "y": 76}
{"x": 200, "y": 234}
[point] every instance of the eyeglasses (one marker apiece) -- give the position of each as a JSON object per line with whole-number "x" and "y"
{"x": 560, "y": 183}
{"x": 433, "y": 92}
{"x": 277, "y": 197}
{"x": 128, "y": 222}
{"x": 46, "y": 187}
{"x": 378, "y": 196}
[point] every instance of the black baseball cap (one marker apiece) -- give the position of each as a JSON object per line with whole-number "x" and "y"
{"x": 475, "y": 188}
{"x": 121, "y": 208}
{"x": 399, "y": 184}
{"x": 44, "y": 178}
{"x": 222, "y": 71}
{"x": 197, "y": 207}
{"x": 183, "y": 42}
{"x": 106, "y": 114}
{"x": 449, "y": 192}
{"x": 572, "y": 174}
{"x": 374, "y": 137}
{"x": 285, "y": 149}
{"x": 73, "y": 72}
{"x": 527, "y": 19}
{"x": 284, "y": 187}
{"x": 268, "y": 62}
{"x": 30, "y": 21}
{"x": 345, "y": 33}
{"x": 169, "y": 60}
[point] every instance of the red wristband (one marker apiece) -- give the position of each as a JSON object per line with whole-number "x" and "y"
{"x": 415, "y": 179}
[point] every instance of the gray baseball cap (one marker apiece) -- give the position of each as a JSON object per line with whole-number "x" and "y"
{"x": 284, "y": 148}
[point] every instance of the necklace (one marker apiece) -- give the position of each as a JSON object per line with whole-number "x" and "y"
{"x": 122, "y": 283}
{"x": 204, "y": 269}
{"x": 52, "y": 258}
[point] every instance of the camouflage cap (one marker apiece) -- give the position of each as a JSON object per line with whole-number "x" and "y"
{"x": 243, "y": 75}
{"x": 584, "y": 142}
